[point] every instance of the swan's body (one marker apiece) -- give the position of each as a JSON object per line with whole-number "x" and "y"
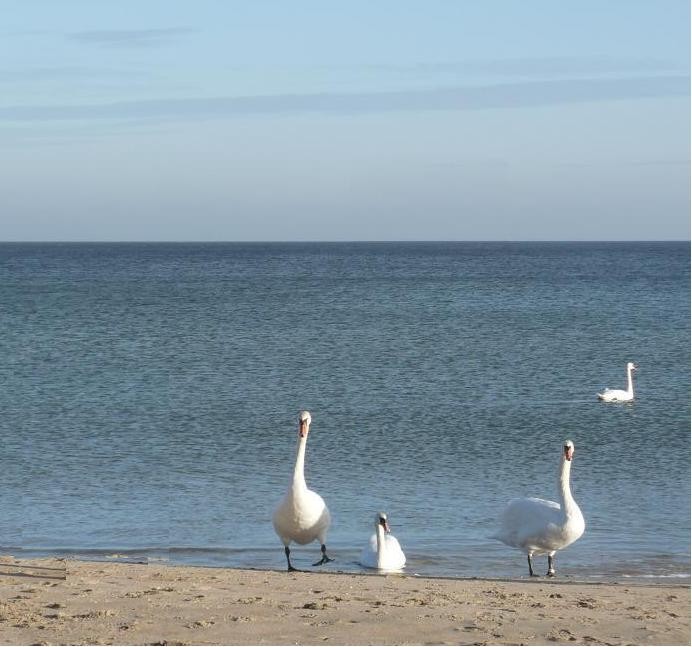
{"x": 383, "y": 550}
{"x": 537, "y": 526}
{"x": 621, "y": 395}
{"x": 302, "y": 516}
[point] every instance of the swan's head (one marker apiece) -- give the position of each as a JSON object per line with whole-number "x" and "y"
{"x": 631, "y": 366}
{"x": 568, "y": 450}
{"x": 381, "y": 520}
{"x": 304, "y": 420}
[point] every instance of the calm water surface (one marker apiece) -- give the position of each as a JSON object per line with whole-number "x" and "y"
{"x": 150, "y": 395}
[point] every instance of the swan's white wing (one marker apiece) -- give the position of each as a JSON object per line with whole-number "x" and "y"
{"x": 324, "y": 519}
{"x": 302, "y": 517}
{"x": 530, "y": 523}
{"x": 368, "y": 557}
{"x": 610, "y": 395}
{"x": 393, "y": 558}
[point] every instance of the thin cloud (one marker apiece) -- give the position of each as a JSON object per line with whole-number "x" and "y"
{"x": 627, "y": 163}
{"x": 130, "y": 37}
{"x": 560, "y": 66}
{"x": 499, "y": 96}
{"x": 63, "y": 73}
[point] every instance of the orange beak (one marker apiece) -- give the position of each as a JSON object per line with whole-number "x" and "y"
{"x": 569, "y": 453}
{"x": 303, "y": 428}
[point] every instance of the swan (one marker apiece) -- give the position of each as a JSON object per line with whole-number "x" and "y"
{"x": 383, "y": 550}
{"x": 619, "y": 395}
{"x": 302, "y": 516}
{"x": 537, "y": 526}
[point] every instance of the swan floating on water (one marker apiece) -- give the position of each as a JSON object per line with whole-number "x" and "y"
{"x": 620, "y": 395}
{"x": 383, "y": 550}
{"x": 537, "y": 526}
{"x": 302, "y": 516}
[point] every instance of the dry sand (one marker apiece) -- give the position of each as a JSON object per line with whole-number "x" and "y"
{"x": 71, "y": 602}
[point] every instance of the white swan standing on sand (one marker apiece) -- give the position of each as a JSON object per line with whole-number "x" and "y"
{"x": 537, "y": 526}
{"x": 302, "y": 516}
{"x": 619, "y": 395}
{"x": 383, "y": 550}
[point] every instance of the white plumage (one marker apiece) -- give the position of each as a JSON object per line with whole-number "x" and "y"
{"x": 383, "y": 550}
{"x": 302, "y": 516}
{"x": 537, "y": 526}
{"x": 620, "y": 395}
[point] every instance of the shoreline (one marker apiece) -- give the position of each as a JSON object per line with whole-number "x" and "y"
{"x": 352, "y": 567}
{"x": 58, "y": 601}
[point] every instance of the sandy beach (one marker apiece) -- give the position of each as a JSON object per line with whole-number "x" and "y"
{"x": 51, "y": 601}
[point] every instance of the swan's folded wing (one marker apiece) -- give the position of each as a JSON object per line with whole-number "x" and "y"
{"x": 368, "y": 556}
{"x": 393, "y": 557}
{"x": 522, "y": 518}
{"x": 393, "y": 547}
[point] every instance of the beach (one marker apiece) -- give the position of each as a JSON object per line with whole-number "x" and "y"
{"x": 53, "y": 601}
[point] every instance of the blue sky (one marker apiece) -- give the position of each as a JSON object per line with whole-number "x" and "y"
{"x": 390, "y": 120}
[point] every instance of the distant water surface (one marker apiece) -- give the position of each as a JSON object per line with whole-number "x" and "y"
{"x": 150, "y": 395}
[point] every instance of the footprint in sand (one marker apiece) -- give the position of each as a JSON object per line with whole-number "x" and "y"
{"x": 55, "y": 616}
{"x": 93, "y": 615}
{"x": 561, "y": 634}
{"x": 587, "y": 603}
{"x": 200, "y": 624}
{"x": 250, "y": 600}
{"x": 155, "y": 590}
{"x": 317, "y": 606}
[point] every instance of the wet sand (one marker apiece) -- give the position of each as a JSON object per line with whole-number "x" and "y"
{"x": 53, "y": 601}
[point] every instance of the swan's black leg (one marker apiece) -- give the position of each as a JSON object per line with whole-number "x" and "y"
{"x": 551, "y": 569}
{"x": 531, "y": 573}
{"x": 287, "y": 550}
{"x": 324, "y": 559}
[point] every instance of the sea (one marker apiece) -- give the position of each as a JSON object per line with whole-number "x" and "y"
{"x": 149, "y": 400}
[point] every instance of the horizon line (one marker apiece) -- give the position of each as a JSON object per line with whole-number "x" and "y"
{"x": 344, "y": 241}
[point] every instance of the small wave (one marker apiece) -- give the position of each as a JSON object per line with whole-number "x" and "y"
{"x": 650, "y": 576}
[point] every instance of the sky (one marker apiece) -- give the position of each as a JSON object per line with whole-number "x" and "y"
{"x": 214, "y": 120}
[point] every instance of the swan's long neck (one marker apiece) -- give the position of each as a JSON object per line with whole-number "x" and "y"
{"x": 630, "y": 385}
{"x": 299, "y": 469}
{"x": 380, "y": 543}
{"x": 567, "y": 503}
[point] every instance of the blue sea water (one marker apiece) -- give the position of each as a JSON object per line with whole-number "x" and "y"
{"x": 149, "y": 397}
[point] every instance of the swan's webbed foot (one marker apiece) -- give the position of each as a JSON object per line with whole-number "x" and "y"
{"x": 293, "y": 569}
{"x": 324, "y": 559}
{"x": 550, "y": 574}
